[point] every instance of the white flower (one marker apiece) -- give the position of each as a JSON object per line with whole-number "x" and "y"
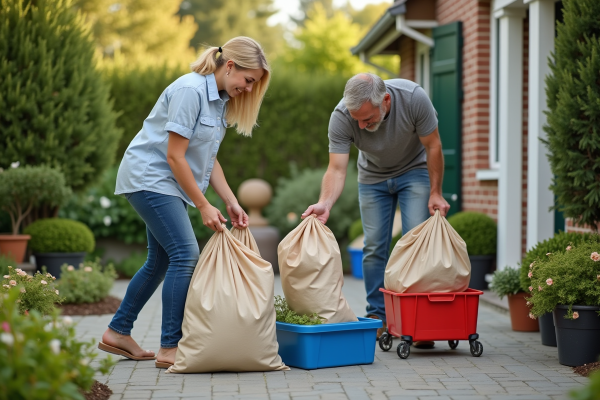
{"x": 107, "y": 220}
{"x": 6, "y": 276}
{"x": 104, "y": 202}
{"x": 56, "y": 291}
{"x": 48, "y": 326}
{"x": 43, "y": 282}
{"x": 22, "y": 273}
{"x": 7, "y": 338}
{"x": 6, "y": 286}
{"x": 67, "y": 321}
{"x": 88, "y": 269}
{"x": 70, "y": 268}
{"x": 84, "y": 361}
{"x": 23, "y": 290}
{"x": 15, "y": 164}
{"x": 18, "y": 270}
{"x": 55, "y": 346}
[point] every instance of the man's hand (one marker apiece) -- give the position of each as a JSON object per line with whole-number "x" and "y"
{"x": 239, "y": 219}
{"x": 320, "y": 210}
{"x": 437, "y": 202}
{"x": 212, "y": 217}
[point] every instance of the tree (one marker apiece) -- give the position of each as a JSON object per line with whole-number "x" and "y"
{"x": 139, "y": 31}
{"x": 220, "y": 20}
{"x": 573, "y": 93}
{"x": 55, "y": 106}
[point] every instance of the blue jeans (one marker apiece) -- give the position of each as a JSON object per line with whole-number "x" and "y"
{"x": 173, "y": 253}
{"x": 377, "y": 207}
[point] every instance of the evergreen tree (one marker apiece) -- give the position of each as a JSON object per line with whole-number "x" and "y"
{"x": 220, "y": 20}
{"x": 146, "y": 32}
{"x": 573, "y": 93}
{"x": 55, "y": 106}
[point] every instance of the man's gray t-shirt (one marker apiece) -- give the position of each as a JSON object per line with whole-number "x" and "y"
{"x": 394, "y": 148}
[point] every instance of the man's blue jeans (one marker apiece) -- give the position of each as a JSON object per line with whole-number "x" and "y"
{"x": 173, "y": 253}
{"x": 377, "y": 208}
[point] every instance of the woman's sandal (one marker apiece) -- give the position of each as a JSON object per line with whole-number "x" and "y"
{"x": 162, "y": 364}
{"x": 120, "y": 352}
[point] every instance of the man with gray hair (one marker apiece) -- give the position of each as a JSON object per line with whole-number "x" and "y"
{"x": 395, "y": 128}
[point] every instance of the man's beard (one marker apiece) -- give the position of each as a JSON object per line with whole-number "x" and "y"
{"x": 375, "y": 125}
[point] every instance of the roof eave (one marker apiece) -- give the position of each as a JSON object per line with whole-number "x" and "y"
{"x": 380, "y": 27}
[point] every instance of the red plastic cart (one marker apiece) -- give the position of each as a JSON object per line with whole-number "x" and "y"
{"x": 431, "y": 316}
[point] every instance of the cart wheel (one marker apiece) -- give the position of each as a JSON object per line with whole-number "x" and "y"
{"x": 403, "y": 350}
{"x": 385, "y": 341}
{"x": 476, "y": 348}
{"x": 453, "y": 344}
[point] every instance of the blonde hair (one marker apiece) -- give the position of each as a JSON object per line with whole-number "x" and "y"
{"x": 246, "y": 53}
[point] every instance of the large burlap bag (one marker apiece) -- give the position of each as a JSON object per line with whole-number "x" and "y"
{"x": 430, "y": 258}
{"x": 245, "y": 236}
{"x": 229, "y": 319}
{"x": 310, "y": 266}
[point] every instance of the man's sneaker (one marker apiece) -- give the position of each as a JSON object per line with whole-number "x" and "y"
{"x": 379, "y": 330}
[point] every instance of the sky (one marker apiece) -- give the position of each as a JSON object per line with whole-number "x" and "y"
{"x": 290, "y": 7}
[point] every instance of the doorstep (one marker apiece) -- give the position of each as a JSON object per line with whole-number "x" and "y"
{"x": 492, "y": 300}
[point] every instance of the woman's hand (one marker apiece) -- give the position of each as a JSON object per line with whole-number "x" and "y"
{"x": 239, "y": 218}
{"x": 212, "y": 217}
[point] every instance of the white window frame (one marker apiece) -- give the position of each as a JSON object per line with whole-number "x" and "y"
{"x": 494, "y": 92}
{"x": 422, "y": 69}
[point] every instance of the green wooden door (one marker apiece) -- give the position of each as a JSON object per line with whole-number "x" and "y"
{"x": 446, "y": 95}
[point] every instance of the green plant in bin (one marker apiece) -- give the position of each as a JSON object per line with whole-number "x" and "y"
{"x": 87, "y": 283}
{"x": 478, "y": 230}
{"x": 506, "y": 282}
{"x": 38, "y": 292}
{"x": 58, "y": 235}
{"x": 285, "y": 314}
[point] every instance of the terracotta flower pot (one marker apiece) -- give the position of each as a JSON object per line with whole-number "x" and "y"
{"x": 519, "y": 314}
{"x": 14, "y": 245}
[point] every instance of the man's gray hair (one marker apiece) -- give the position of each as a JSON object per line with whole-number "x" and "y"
{"x": 362, "y": 88}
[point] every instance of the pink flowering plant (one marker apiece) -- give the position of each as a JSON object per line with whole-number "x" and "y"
{"x": 37, "y": 292}
{"x": 40, "y": 356}
{"x": 86, "y": 283}
{"x": 567, "y": 278}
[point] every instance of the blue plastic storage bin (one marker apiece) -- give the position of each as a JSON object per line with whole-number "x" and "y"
{"x": 356, "y": 257}
{"x": 328, "y": 345}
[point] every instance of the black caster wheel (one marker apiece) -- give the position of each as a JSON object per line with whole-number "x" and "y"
{"x": 403, "y": 350}
{"x": 385, "y": 341}
{"x": 476, "y": 348}
{"x": 453, "y": 344}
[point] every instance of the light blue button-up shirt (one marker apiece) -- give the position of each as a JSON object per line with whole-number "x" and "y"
{"x": 192, "y": 107}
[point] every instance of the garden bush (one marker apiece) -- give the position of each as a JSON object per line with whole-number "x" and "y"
{"x": 478, "y": 230}
{"x": 556, "y": 244}
{"x": 55, "y": 105}
{"x": 130, "y": 265}
{"x": 293, "y": 196}
{"x": 41, "y": 358}
{"x": 37, "y": 292}
{"x": 111, "y": 216}
{"x": 572, "y": 92}
{"x": 88, "y": 283}
{"x": 285, "y": 314}
{"x": 23, "y": 188}
{"x": 58, "y": 235}
{"x": 506, "y": 282}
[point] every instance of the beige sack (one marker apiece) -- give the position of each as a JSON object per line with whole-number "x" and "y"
{"x": 430, "y": 258}
{"x": 229, "y": 319}
{"x": 245, "y": 236}
{"x": 310, "y": 265}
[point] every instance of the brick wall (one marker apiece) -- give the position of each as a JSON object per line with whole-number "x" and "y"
{"x": 407, "y": 58}
{"x": 571, "y": 227}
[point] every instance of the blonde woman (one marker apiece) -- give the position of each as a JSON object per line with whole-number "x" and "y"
{"x": 168, "y": 166}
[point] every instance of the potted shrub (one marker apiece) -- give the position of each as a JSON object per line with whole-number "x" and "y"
{"x": 57, "y": 241}
{"x": 557, "y": 244}
{"x": 22, "y": 189}
{"x": 479, "y": 232}
{"x": 506, "y": 283}
{"x": 568, "y": 285}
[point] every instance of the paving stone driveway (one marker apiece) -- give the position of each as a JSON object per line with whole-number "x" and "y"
{"x": 514, "y": 365}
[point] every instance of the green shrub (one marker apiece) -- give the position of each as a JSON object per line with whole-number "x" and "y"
{"x": 478, "y": 230}
{"x": 395, "y": 240}
{"x": 506, "y": 282}
{"x": 130, "y": 265}
{"x": 88, "y": 283}
{"x": 356, "y": 229}
{"x": 41, "y": 358}
{"x": 572, "y": 93}
{"x": 110, "y": 215}
{"x": 591, "y": 391}
{"x": 285, "y": 314}
{"x": 569, "y": 278}
{"x": 5, "y": 262}
{"x": 294, "y": 195}
{"x": 23, "y": 188}
{"x": 556, "y": 244}
{"x": 37, "y": 292}
{"x": 55, "y": 106}
{"x": 58, "y": 235}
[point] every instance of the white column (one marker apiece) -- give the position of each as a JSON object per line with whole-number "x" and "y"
{"x": 540, "y": 220}
{"x": 510, "y": 117}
